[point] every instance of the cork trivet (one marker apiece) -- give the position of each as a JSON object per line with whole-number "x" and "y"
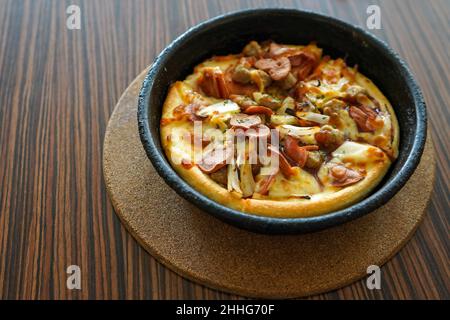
{"x": 206, "y": 250}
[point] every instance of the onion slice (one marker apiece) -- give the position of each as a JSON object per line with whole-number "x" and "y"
{"x": 233, "y": 178}
{"x": 297, "y": 132}
{"x": 247, "y": 181}
{"x": 245, "y": 121}
{"x": 218, "y": 108}
{"x": 313, "y": 117}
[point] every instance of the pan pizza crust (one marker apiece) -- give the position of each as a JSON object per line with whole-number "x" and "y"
{"x": 338, "y": 132}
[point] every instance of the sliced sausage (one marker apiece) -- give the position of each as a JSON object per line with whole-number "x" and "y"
{"x": 213, "y": 83}
{"x": 278, "y": 69}
{"x": 263, "y": 185}
{"x": 214, "y": 160}
{"x": 343, "y": 176}
{"x": 261, "y": 131}
{"x": 298, "y": 154}
{"x": 258, "y": 110}
{"x": 285, "y": 167}
{"x": 364, "y": 119}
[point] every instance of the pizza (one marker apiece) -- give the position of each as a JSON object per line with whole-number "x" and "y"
{"x": 279, "y": 130}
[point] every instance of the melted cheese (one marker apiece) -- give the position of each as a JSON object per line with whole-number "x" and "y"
{"x": 325, "y": 91}
{"x": 223, "y": 63}
{"x": 359, "y": 154}
{"x": 180, "y": 148}
{"x": 347, "y": 125}
{"x": 356, "y": 156}
{"x": 300, "y": 184}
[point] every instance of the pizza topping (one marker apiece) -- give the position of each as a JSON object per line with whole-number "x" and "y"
{"x": 258, "y": 110}
{"x": 263, "y": 185}
{"x": 297, "y": 154}
{"x": 287, "y": 106}
{"x": 315, "y": 160}
{"x": 366, "y": 101}
{"x": 226, "y": 106}
{"x": 365, "y": 118}
{"x": 333, "y": 107}
{"x": 253, "y": 49}
{"x": 329, "y": 138}
{"x": 245, "y": 121}
{"x": 355, "y": 90}
{"x": 297, "y": 132}
{"x": 329, "y": 70}
{"x": 311, "y": 148}
{"x": 214, "y": 159}
{"x": 276, "y": 50}
{"x": 244, "y": 73}
{"x": 301, "y": 58}
{"x": 303, "y": 64}
{"x": 282, "y": 119}
{"x": 233, "y": 178}
{"x": 220, "y": 176}
{"x": 343, "y": 176}
{"x": 288, "y": 82}
{"x": 236, "y": 88}
{"x": 213, "y": 83}
{"x": 283, "y": 163}
{"x": 277, "y": 69}
{"x": 247, "y": 180}
{"x": 260, "y": 131}
{"x": 307, "y": 106}
{"x": 186, "y": 112}
{"x": 241, "y": 74}
{"x": 260, "y": 78}
{"x": 247, "y": 62}
{"x": 267, "y": 100}
{"x": 313, "y": 117}
{"x": 242, "y": 101}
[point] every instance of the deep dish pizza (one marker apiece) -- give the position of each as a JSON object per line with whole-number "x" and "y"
{"x": 279, "y": 130}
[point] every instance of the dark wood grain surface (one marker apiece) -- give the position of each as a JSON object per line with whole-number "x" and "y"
{"x": 58, "y": 88}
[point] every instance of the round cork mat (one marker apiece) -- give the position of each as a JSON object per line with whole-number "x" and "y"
{"x": 205, "y": 250}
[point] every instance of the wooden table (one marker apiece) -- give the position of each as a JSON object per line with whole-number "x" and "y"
{"x": 58, "y": 88}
